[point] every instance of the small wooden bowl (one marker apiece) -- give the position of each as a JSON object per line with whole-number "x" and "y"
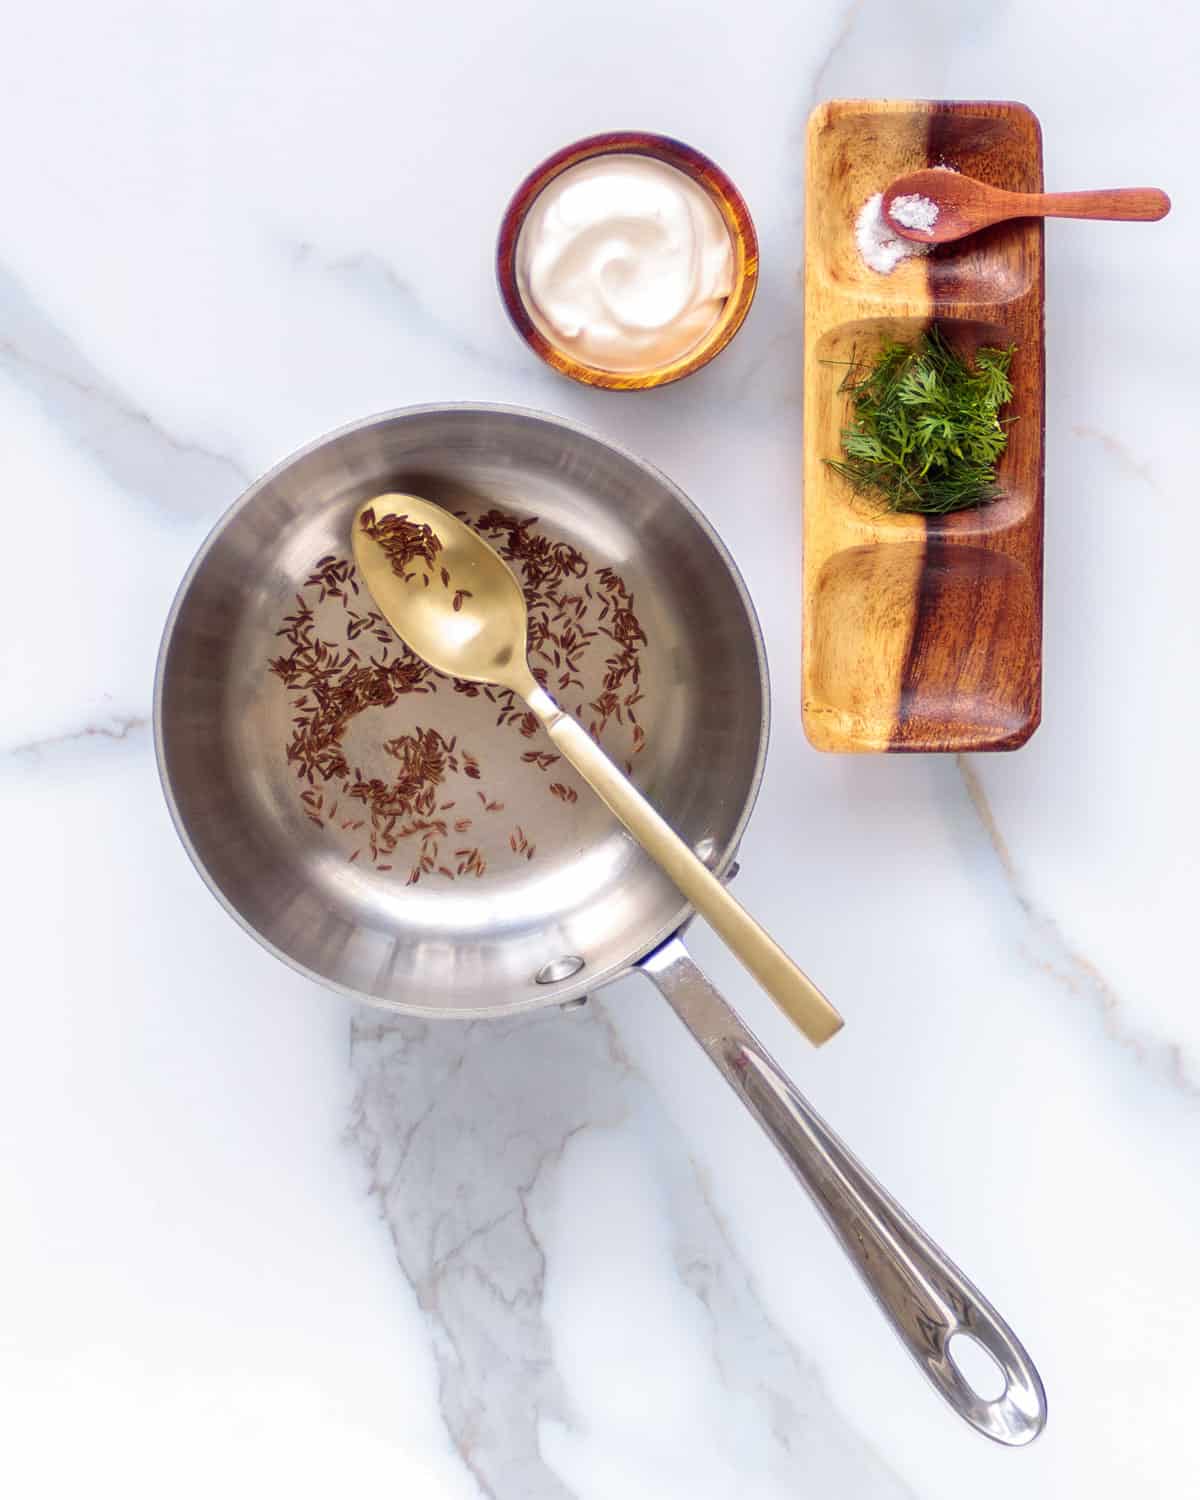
{"x": 720, "y": 189}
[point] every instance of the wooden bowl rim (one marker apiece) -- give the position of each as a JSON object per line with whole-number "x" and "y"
{"x": 703, "y": 171}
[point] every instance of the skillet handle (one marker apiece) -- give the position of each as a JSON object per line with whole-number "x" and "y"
{"x": 922, "y": 1293}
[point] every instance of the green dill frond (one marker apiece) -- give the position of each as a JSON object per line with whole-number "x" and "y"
{"x": 926, "y": 433}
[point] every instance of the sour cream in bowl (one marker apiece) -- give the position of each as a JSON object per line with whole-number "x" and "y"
{"x": 627, "y": 261}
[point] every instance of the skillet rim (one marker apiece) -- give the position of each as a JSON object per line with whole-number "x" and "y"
{"x": 556, "y": 994}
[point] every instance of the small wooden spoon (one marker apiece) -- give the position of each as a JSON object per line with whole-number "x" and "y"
{"x": 965, "y": 205}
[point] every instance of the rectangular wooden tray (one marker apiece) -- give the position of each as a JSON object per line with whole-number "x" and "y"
{"x": 921, "y": 633}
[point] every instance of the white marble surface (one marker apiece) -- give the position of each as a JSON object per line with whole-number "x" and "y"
{"x": 256, "y": 1244}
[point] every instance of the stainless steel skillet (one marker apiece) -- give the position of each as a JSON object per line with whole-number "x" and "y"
{"x": 592, "y": 906}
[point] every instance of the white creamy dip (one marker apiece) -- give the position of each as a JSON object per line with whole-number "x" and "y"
{"x": 624, "y": 262}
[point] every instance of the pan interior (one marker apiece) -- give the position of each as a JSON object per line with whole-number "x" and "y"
{"x": 292, "y": 855}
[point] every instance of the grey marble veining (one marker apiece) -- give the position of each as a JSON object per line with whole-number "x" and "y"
{"x": 138, "y": 453}
{"x": 463, "y": 1157}
{"x": 261, "y": 1244}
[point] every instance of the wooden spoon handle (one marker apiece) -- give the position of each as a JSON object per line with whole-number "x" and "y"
{"x": 790, "y": 988}
{"x": 1103, "y": 203}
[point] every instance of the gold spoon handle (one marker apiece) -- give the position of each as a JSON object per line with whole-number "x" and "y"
{"x": 787, "y": 985}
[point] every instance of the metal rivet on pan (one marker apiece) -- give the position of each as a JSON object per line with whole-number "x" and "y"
{"x": 576, "y": 1004}
{"x": 706, "y": 850}
{"x": 559, "y": 968}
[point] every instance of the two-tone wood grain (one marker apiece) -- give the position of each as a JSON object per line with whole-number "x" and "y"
{"x": 921, "y": 633}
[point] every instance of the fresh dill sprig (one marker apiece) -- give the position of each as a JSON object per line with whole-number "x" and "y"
{"x": 927, "y": 432}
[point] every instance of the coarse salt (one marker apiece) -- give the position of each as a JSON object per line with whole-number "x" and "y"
{"x": 915, "y": 211}
{"x": 878, "y": 243}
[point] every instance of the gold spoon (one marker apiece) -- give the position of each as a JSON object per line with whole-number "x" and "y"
{"x": 475, "y": 627}
{"x": 966, "y": 205}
